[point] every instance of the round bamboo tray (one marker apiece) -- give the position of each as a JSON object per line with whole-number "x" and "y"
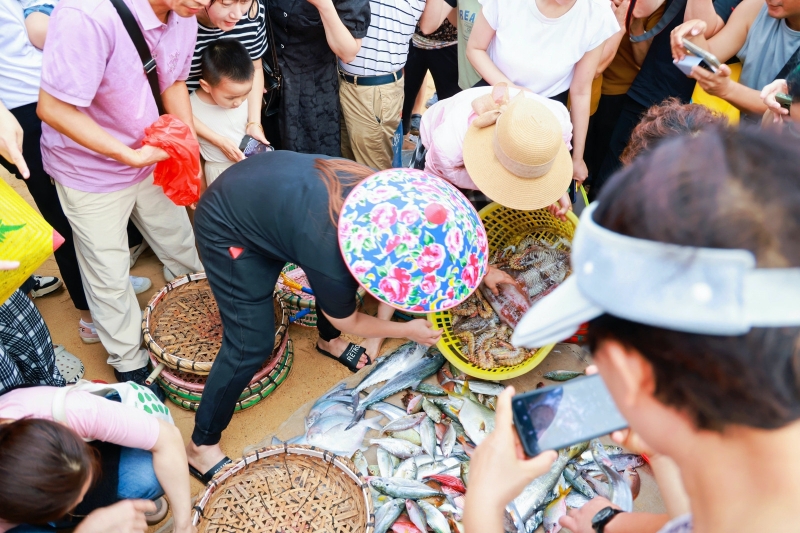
{"x": 287, "y": 488}
{"x": 301, "y": 306}
{"x": 190, "y": 386}
{"x": 505, "y": 227}
{"x": 265, "y": 387}
{"x": 182, "y": 327}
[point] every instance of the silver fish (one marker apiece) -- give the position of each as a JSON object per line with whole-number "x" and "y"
{"x": 619, "y": 461}
{"x": 423, "y": 368}
{"x": 388, "y": 514}
{"x": 620, "y": 493}
{"x": 390, "y": 411}
{"x": 403, "y": 488}
{"x": 405, "y": 422}
{"x": 477, "y": 419}
{"x": 385, "y": 463}
{"x": 341, "y": 440}
{"x": 480, "y": 387}
{"x": 415, "y": 404}
{"x": 576, "y": 500}
{"x": 562, "y": 375}
{"x": 391, "y": 365}
{"x": 427, "y": 433}
{"x": 407, "y": 469}
{"x": 633, "y": 480}
{"x": 578, "y": 483}
{"x": 537, "y": 492}
{"x": 397, "y": 447}
{"x": 432, "y": 411}
{"x": 554, "y": 511}
{"x": 325, "y": 424}
{"x": 436, "y": 467}
{"x": 374, "y": 470}
{"x": 329, "y": 408}
{"x": 465, "y": 473}
{"x": 431, "y": 388}
{"x": 599, "y": 487}
{"x": 534, "y": 522}
{"x": 611, "y": 449}
{"x": 360, "y": 462}
{"x": 436, "y": 520}
{"x": 411, "y": 435}
{"x": 449, "y": 440}
{"x": 416, "y": 515}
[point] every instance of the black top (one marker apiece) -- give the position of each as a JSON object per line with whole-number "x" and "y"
{"x": 659, "y": 78}
{"x": 300, "y": 36}
{"x": 277, "y": 204}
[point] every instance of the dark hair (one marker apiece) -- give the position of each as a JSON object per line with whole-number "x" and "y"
{"x": 793, "y": 84}
{"x": 667, "y": 119}
{"x": 226, "y": 58}
{"x": 43, "y": 467}
{"x": 727, "y": 189}
{"x": 337, "y": 172}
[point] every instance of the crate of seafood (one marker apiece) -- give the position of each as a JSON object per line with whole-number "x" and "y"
{"x": 534, "y": 248}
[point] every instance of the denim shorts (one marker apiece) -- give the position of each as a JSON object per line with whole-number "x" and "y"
{"x": 47, "y": 9}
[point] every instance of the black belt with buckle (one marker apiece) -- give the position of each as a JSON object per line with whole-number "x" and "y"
{"x": 371, "y": 81}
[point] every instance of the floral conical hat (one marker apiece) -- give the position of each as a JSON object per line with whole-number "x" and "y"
{"x": 413, "y": 241}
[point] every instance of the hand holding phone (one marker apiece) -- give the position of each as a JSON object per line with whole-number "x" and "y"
{"x": 707, "y": 57}
{"x": 251, "y": 146}
{"x": 556, "y": 417}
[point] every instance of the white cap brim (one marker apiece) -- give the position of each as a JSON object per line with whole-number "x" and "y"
{"x": 555, "y": 317}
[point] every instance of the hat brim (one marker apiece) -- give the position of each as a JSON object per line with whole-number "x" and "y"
{"x": 505, "y": 188}
{"x": 555, "y": 317}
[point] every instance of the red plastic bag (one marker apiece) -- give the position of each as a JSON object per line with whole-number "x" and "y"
{"x": 178, "y": 175}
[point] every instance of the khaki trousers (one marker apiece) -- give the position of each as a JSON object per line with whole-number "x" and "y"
{"x": 370, "y": 116}
{"x": 98, "y": 223}
{"x": 214, "y": 169}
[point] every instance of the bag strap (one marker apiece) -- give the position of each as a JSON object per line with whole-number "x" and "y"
{"x": 669, "y": 15}
{"x": 148, "y": 63}
{"x": 276, "y": 69}
{"x": 790, "y": 65}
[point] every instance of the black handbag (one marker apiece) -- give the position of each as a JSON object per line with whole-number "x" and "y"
{"x": 148, "y": 63}
{"x": 272, "y": 73}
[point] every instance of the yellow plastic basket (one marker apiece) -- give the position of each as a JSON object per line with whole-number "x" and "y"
{"x": 505, "y": 227}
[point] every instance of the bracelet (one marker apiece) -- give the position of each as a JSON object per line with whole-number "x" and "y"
{"x": 256, "y": 123}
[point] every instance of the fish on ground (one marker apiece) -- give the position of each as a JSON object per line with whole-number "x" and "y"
{"x": 388, "y": 514}
{"x": 449, "y": 440}
{"x": 405, "y": 422}
{"x": 554, "y": 511}
{"x": 408, "y": 489}
{"x": 343, "y": 441}
{"x": 398, "y": 447}
{"x": 477, "y": 419}
{"x": 562, "y": 375}
{"x": 385, "y": 465}
{"x": 391, "y": 365}
{"x": 416, "y": 515}
{"x": 435, "y": 519}
{"x": 427, "y": 433}
{"x": 407, "y": 469}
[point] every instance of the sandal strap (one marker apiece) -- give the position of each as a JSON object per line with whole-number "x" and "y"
{"x": 352, "y": 355}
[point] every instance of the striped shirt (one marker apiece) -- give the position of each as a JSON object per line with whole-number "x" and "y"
{"x": 385, "y": 48}
{"x": 251, "y": 32}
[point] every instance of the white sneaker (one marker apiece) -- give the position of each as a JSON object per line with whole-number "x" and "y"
{"x": 45, "y": 285}
{"x": 140, "y": 284}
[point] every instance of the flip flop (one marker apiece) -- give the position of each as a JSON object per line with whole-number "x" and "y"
{"x": 213, "y": 471}
{"x": 350, "y": 357}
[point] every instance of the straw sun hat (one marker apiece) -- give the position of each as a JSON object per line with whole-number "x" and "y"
{"x": 516, "y": 156}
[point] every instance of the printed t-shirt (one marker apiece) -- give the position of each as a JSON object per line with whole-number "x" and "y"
{"x": 540, "y": 53}
{"x": 90, "y": 416}
{"x": 20, "y": 61}
{"x": 251, "y": 32}
{"x": 276, "y": 204}
{"x": 467, "y": 13}
{"x": 90, "y": 62}
{"x": 230, "y": 123}
{"x": 619, "y": 75}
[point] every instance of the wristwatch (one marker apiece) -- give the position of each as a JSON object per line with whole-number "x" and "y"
{"x": 603, "y": 517}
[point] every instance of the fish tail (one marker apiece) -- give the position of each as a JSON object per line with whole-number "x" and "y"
{"x": 358, "y": 415}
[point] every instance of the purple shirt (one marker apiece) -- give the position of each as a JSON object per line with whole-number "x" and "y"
{"x": 91, "y": 63}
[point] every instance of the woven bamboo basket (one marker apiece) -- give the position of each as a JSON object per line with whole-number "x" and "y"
{"x": 505, "y": 227}
{"x": 182, "y": 327}
{"x": 288, "y": 488}
{"x": 190, "y": 386}
{"x": 301, "y": 306}
{"x": 264, "y": 387}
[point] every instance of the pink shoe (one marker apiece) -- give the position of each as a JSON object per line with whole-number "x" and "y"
{"x": 87, "y": 333}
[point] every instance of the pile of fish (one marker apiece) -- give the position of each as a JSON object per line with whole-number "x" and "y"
{"x": 423, "y": 450}
{"x": 485, "y": 321}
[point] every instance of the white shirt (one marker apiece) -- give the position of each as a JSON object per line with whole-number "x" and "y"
{"x": 20, "y": 61}
{"x": 445, "y": 125}
{"x": 385, "y": 48}
{"x": 230, "y": 123}
{"x": 540, "y": 53}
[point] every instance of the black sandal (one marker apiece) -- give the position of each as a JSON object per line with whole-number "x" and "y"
{"x": 350, "y": 357}
{"x": 213, "y": 471}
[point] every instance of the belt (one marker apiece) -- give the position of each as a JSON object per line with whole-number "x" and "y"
{"x": 371, "y": 81}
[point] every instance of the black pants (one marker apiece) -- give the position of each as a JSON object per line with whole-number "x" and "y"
{"x": 629, "y": 117}
{"x": 44, "y": 194}
{"x": 443, "y": 64}
{"x": 247, "y": 314}
{"x": 601, "y": 127}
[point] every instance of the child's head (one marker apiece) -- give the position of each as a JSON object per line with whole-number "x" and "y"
{"x": 227, "y": 72}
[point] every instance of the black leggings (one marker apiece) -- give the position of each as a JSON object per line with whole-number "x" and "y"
{"x": 443, "y": 64}
{"x": 44, "y": 194}
{"x": 243, "y": 288}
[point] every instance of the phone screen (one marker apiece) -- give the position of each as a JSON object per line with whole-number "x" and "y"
{"x": 556, "y": 417}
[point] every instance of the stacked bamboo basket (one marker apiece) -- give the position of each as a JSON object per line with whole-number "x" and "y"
{"x": 183, "y": 332}
{"x": 294, "y": 290}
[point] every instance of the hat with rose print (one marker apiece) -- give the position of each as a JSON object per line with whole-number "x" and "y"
{"x": 413, "y": 241}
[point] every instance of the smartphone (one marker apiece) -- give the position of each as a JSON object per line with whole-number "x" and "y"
{"x": 556, "y": 417}
{"x": 709, "y": 58}
{"x": 784, "y": 100}
{"x": 250, "y": 146}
